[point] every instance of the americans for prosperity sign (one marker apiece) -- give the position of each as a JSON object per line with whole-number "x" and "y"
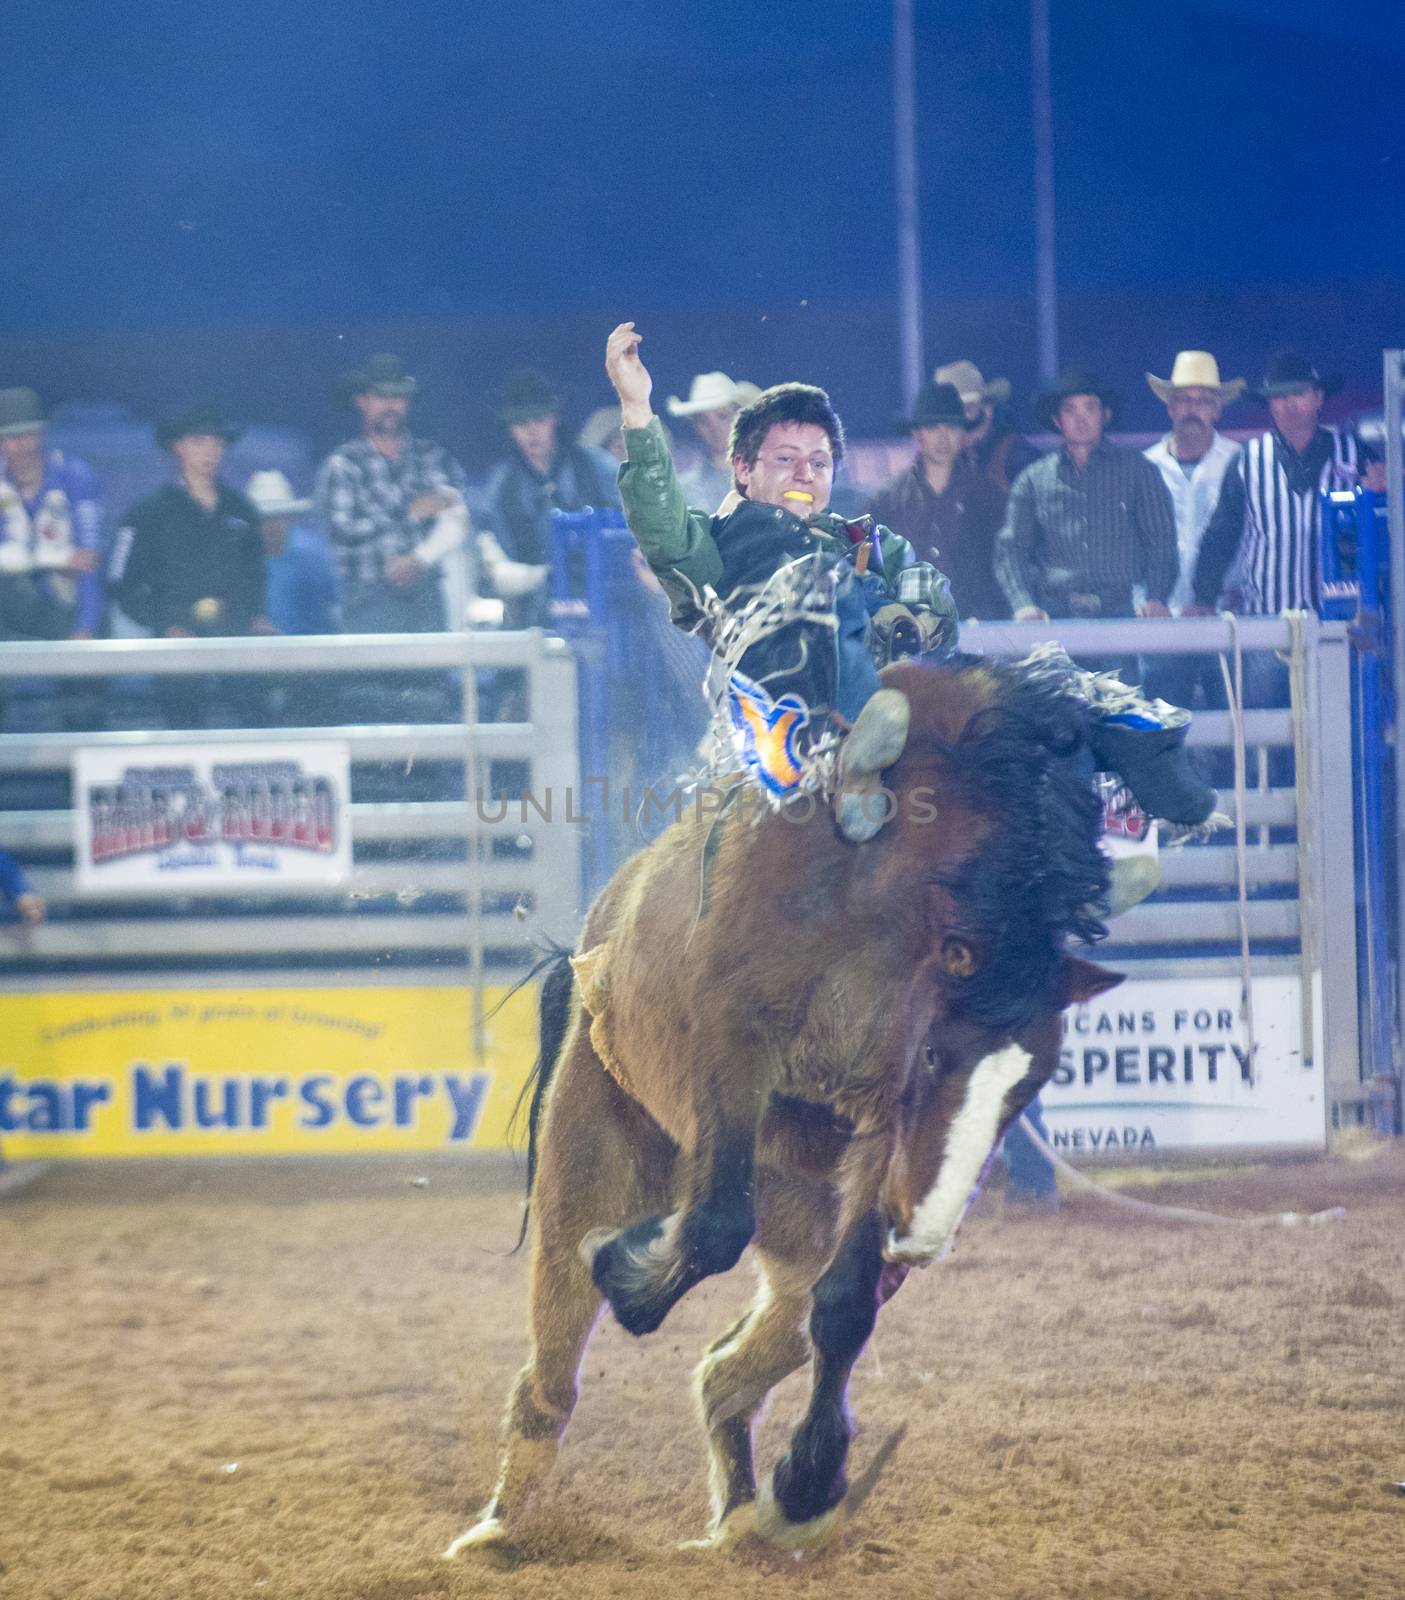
{"x": 1161, "y": 1064}
{"x": 191, "y": 819}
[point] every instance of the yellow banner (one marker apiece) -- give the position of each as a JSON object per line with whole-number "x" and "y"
{"x": 259, "y": 1071}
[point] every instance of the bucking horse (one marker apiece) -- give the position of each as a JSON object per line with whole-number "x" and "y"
{"x": 771, "y": 1034}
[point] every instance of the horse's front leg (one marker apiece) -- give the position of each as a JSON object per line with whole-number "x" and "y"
{"x": 644, "y": 1270}
{"x": 808, "y": 1483}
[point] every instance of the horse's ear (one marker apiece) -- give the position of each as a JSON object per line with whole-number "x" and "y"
{"x": 1080, "y": 981}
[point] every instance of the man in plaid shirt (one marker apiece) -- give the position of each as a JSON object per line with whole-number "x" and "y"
{"x": 393, "y": 506}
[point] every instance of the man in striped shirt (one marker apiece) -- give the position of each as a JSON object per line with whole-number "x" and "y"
{"x": 1090, "y": 530}
{"x": 1260, "y": 551}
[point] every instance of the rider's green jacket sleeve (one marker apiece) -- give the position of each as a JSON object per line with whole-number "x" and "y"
{"x": 677, "y": 542}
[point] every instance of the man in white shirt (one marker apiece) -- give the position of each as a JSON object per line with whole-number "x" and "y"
{"x": 1193, "y": 459}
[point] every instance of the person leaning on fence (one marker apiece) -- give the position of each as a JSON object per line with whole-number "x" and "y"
{"x": 394, "y": 508}
{"x": 784, "y": 447}
{"x": 541, "y": 473}
{"x": 51, "y": 583}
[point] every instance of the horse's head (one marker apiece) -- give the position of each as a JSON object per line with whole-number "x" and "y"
{"x": 958, "y": 1101}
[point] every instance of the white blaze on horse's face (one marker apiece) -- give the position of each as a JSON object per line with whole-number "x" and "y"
{"x": 968, "y": 1144}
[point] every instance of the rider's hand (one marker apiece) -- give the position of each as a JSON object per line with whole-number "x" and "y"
{"x": 629, "y": 375}
{"x": 1153, "y": 608}
{"x": 1031, "y": 614}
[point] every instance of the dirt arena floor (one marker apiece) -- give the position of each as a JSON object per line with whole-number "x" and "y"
{"x": 284, "y": 1380}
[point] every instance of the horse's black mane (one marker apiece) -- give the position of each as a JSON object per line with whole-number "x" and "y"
{"x": 1040, "y": 878}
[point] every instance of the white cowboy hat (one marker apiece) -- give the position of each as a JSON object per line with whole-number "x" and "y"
{"x": 1195, "y": 369}
{"x": 710, "y": 391}
{"x": 965, "y": 377}
{"x": 273, "y": 495}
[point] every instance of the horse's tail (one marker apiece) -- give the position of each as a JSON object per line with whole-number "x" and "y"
{"x": 553, "y": 1018}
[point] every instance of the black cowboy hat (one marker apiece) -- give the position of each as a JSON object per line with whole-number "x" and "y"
{"x": 937, "y": 404}
{"x": 203, "y": 418}
{"x": 1290, "y": 373}
{"x": 1075, "y": 380}
{"x": 526, "y": 396}
{"x": 382, "y": 374}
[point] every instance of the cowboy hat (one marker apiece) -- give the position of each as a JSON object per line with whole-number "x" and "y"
{"x": 20, "y": 412}
{"x": 966, "y": 377}
{"x": 196, "y": 419}
{"x": 1076, "y": 380}
{"x": 273, "y": 495}
{"x": 526, "y": 396}
{"x": 1196, "y": 369}
{"x": 711, "y": 391}
{"x": 936, "y": 405}
{"x": 1290, "y": 373}
{"x": 383, "y": 374}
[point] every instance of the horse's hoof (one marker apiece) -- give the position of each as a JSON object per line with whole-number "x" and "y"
{"x": 772, "y": 1524}
{"x": 738, "y": 1524}
{"x": 488, "y": 1534}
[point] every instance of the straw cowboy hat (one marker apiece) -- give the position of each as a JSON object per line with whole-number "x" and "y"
{"x": 273, "y": 495}
{"x": 711, "y": 391}
{"x": 1196, "y": 369}
{"x": 965, "y": 377}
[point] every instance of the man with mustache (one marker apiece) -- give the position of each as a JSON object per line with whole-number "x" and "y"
{"x": 1193, "y": 460}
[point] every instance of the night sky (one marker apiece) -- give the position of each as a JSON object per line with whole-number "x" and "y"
{"x": 312, "y": 165}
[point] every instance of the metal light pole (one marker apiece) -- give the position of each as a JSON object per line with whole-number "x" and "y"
{"x": 909, "y": 246}
{"x": 1393, "y": 377}
{"x": 1046, "y": 309}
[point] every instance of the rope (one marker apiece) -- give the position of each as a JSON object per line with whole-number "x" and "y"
{"x": 1234, "y": 694}
{"x": 1126, "y": 1202}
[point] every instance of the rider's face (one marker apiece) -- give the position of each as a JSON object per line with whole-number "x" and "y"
{"x": 794, "y": 468}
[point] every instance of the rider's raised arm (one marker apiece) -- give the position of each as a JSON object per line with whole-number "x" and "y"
{"x": 677, "y": 543}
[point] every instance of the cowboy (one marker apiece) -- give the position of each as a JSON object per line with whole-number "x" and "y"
{"x": 50, "y": 531}
{"x": 541, "y": 473}
{"x": 187, "y": 560}
{"x": 394, "y": 508}
{"x": 713, "y": 401}
{"x": 998, "y": 451}
{"x": 1089, "y": 523}
{"x": 784, "y": 449}
{"x": 946, "y": 509}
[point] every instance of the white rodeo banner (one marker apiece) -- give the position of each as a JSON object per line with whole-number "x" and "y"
{"x": 1162, "y": 1064}
{"x": 193, "y": 819}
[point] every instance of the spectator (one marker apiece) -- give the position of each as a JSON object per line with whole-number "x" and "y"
{"x": 1193, "y": 460}
{"x": 50, "y": 531}
{"x": 944, "y": 508}
{"x": 1089, "y": 524}
{"x": 188, "y": 559}
{"x": 301, "y": 595}
{"x": 713, "y": 401}
{"x": 16, "y": 890}
{"x": 997, "y": 450}
{"x": 601, "y": 430}
{"x": 1260, "y": 549}
{"x": 394, "y": 508}
{"x": 539, "y": 476}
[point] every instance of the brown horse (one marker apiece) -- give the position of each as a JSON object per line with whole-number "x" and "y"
{"x": 746, "y": 1046}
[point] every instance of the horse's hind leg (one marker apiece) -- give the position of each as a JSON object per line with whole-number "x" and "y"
{"x": 797, "y": 1232}
{"x": 592, "y": 1168}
